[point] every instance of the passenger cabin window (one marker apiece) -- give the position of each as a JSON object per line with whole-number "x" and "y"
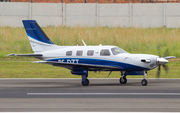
{"x": 90, "y": 53}
{"x": 79, "y": 53}
{"x": 105, "y": 52}
{"x": 117, "y": 50}
{"x": 69, "y": 53}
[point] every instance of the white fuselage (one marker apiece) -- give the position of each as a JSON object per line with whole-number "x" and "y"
{"x": 124, "y": 60}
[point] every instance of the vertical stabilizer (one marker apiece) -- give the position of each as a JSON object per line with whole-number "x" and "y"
{"x": 38, "y": 39}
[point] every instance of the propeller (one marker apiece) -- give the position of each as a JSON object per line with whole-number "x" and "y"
{"x": 161, "y": 61}
{"x": 166, "y": 68}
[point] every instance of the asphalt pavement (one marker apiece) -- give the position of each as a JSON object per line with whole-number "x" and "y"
{"x": 105, "y": 95}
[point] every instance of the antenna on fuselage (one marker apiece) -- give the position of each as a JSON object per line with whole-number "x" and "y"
{"x": 83, "y": 42}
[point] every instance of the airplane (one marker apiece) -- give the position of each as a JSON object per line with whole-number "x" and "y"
{"x": 81, "y": 59}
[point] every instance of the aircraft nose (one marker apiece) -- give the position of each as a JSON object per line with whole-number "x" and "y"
{"x": 161, "y": 61}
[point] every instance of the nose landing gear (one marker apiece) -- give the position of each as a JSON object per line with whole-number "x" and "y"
{"x": 123, "y": 79}
{"x": 144, "y": 81}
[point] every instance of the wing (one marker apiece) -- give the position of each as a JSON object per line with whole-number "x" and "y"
{"x": 73, "y": 66}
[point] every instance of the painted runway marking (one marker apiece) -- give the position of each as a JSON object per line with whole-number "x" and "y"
{"x": 63, "y": 94}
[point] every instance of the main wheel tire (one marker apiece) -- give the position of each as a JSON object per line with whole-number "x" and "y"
{"x": 144, "y": 82}
{"x": 123, "y": 80}
{"x": 85, "y": 83}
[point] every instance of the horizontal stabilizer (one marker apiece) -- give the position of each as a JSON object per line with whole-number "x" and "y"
{"x": 25, "y": 55}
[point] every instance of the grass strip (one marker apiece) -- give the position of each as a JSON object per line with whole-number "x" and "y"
{"x": 27, "y": 69}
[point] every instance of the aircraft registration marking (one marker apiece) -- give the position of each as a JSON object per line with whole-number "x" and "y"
{"x": 74, "y": 61}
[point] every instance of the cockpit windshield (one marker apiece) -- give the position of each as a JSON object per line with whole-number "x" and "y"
{"x": 117, "y": 50}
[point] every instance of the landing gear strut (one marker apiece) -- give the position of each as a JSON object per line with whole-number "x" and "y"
{"x": 123, "y": 79}
{"x": 144, "y": 81}
{"x": 85, "y": 81}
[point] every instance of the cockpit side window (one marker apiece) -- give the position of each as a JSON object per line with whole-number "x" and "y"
{"x": 105, "y": 52}
{"x": 69, "y": 53}
{"x": 116, "y": 50}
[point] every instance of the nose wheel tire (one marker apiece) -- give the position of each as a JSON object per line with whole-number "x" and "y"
{"x": 123, "y": 80}
{"x": 85, "y": 83}
{"x": 144, "y": 82}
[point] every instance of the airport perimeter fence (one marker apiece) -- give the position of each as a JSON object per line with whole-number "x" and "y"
{"x": 95, "y": 1}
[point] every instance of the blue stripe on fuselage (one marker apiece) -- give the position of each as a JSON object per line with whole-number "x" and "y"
{"x": 123, "y": 66}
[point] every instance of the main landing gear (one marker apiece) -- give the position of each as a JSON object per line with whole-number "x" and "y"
{"x": 123, "y": 80}
{"x": 144, "y": 82}
{"x": 85, "y": 81}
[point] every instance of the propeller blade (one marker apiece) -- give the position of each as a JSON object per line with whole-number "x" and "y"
{"x": 169, "y": 57}
{"x": 166, "y": 53}
{"x": 166, "y": 68}
{"x": 158, "y": 50}
{"x": 158, "y": 72}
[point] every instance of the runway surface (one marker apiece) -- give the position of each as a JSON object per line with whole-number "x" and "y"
{"x": 40, "y": 95}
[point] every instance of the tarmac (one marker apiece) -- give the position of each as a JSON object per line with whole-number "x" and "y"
{"x": 102, "y": 95}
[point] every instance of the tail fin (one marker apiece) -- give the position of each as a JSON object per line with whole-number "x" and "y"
{"x": 38, "y": 39}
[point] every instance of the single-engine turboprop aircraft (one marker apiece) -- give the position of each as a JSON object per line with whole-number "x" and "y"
{"x": 81, "y": 59}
